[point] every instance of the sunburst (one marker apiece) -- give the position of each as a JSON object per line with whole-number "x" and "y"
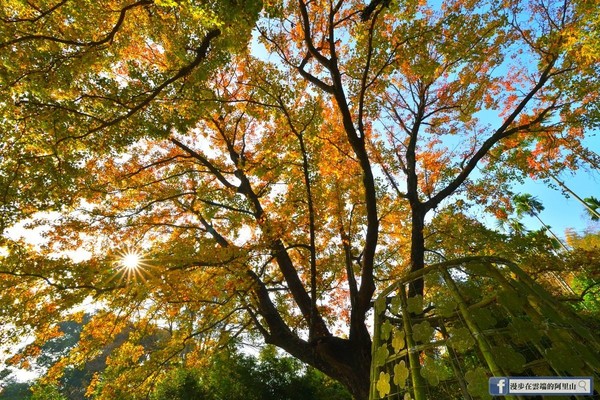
{"x": 131, "y": 264}
{"x": 131, "y": 261}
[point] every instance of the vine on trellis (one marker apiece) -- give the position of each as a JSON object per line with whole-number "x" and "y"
{"x": 480, "y": 317}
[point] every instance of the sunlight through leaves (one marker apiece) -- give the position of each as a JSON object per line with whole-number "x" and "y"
{"x": 132, "y": 264}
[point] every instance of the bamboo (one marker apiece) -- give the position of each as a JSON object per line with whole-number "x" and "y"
{"x": 562, "y": 314}
{"x": 482, "y": 343}
{"x": 455, "y": 366}
{"x": 550, "y": 309}
{"x": 479, "y": 336}
{"x": 527, "y": 308}
{"x": 413, "y": 354}
{"x": 551, "y": 232}
{"x": 540, "y": 306}
{"x": 439, "y": 266}
{"x": 374, "y": 346}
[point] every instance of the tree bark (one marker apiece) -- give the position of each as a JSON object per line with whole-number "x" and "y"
{"x": 345, "y": 360}
{"x": 417, "y": 250}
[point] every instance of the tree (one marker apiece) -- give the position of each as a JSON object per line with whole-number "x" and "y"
{"x": 584, "y": 262}
{"x": 269, "y": 194}
{"x": 12, "y": 389}
{"x": 229, "y": 375}
{"x": 235, "y": 376}
{"x": 454, "y": 234}
{"x": 530, "y": 205}
{"x": 592, "y": 205}
{"x": 183, "y": 385}
{"x": 50, "y": 353}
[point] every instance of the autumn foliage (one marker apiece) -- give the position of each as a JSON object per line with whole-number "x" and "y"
{"x": 271, "y": 166}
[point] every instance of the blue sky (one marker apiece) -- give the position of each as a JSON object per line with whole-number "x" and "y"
{"x": 561, "y": 212}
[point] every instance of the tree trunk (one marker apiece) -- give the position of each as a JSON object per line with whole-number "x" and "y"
{"x": 417, "y": 249}
{"x": 564, "y": 246}
{"x": 348, "y": 362}
{"x": 572, "y": 193}
{"x": 345, "y": 360}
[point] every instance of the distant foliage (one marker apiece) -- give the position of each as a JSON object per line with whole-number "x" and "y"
{"x": 235, "y": 376}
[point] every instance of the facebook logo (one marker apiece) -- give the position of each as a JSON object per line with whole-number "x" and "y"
{"x": 541, "y": 385}
{"x": 498, "y": 386}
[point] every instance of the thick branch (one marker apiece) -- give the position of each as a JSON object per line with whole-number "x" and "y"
{"x": 370, "y": 8}
{"x": 41, "y": 14}
{"x": 311, "y": 218}
{"x": 284, "y": 262}
{"x": 109, "y": 37}
{"x": 311, "y": 78}
{"x": 210, "y": 229}
{"x": 308, "y": 37}
{"x": 201, "y": 53}
{"x": 204, "y": 162}
{"x": 501, "y": 133}
{"x": 352, "y": 284}
{"x": 58, "y": 286}
{"x": 199, "y": 264}
{"x": 412, "y": 183}
{"x": 367, "y": 286}
{"x": 365, "y": 77}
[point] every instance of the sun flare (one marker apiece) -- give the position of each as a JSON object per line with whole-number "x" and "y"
{"x": 131, "y": 260}
{"x": 131, "y": 265}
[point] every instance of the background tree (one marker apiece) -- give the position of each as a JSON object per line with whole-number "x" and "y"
{"x": 182, "y": 385}
{"x": 52, "y": 351}
{"x": 265, "y": 194}
{"x": 229, "y": 375}
{"x": 526, "y": 204}
{"x": 455, "y": 234}
{"x": 268, "y": 376}
{"x": 594, "y": 206}
{"x": 587, "y": 204}
{"x": 584, "y": 263}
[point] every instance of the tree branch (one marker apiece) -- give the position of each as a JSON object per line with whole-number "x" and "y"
{"x": 204, "y": 162}
{"x": 109, "y": 36}
{"x": 501, "y": 133}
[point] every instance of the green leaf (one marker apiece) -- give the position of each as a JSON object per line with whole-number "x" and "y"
{"x": 435, "y": 371}
{"x": 484, "y": 318}
{"x": 386, "y": 329}
{"x": 380, "y": 304}
{"x": 479, "y": 268}
{"x": 166, "y": 3}
{"x": 398, "y": 341}
{"x": 383, "y": 384}
{"x": 477, "y": 383}
{"x": 415, "y": 304}
{"x": 423, "y": 331}
{"x": 445, "y": 306}
{"x": 381, "y": 355}
{"x": 431, "y": 377}
{"x": 395, "y": 305}
{"x": 584, "y": 352}
{"x": 524, "y": 330}
{"x": 511, "y": 300}
{"x": 564, "y": 359}
{"x": 471, "y": 291}
{"x": 461, "y": 339}
{"x": 401, "y": 374}
{"x": 508, "y": 359}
